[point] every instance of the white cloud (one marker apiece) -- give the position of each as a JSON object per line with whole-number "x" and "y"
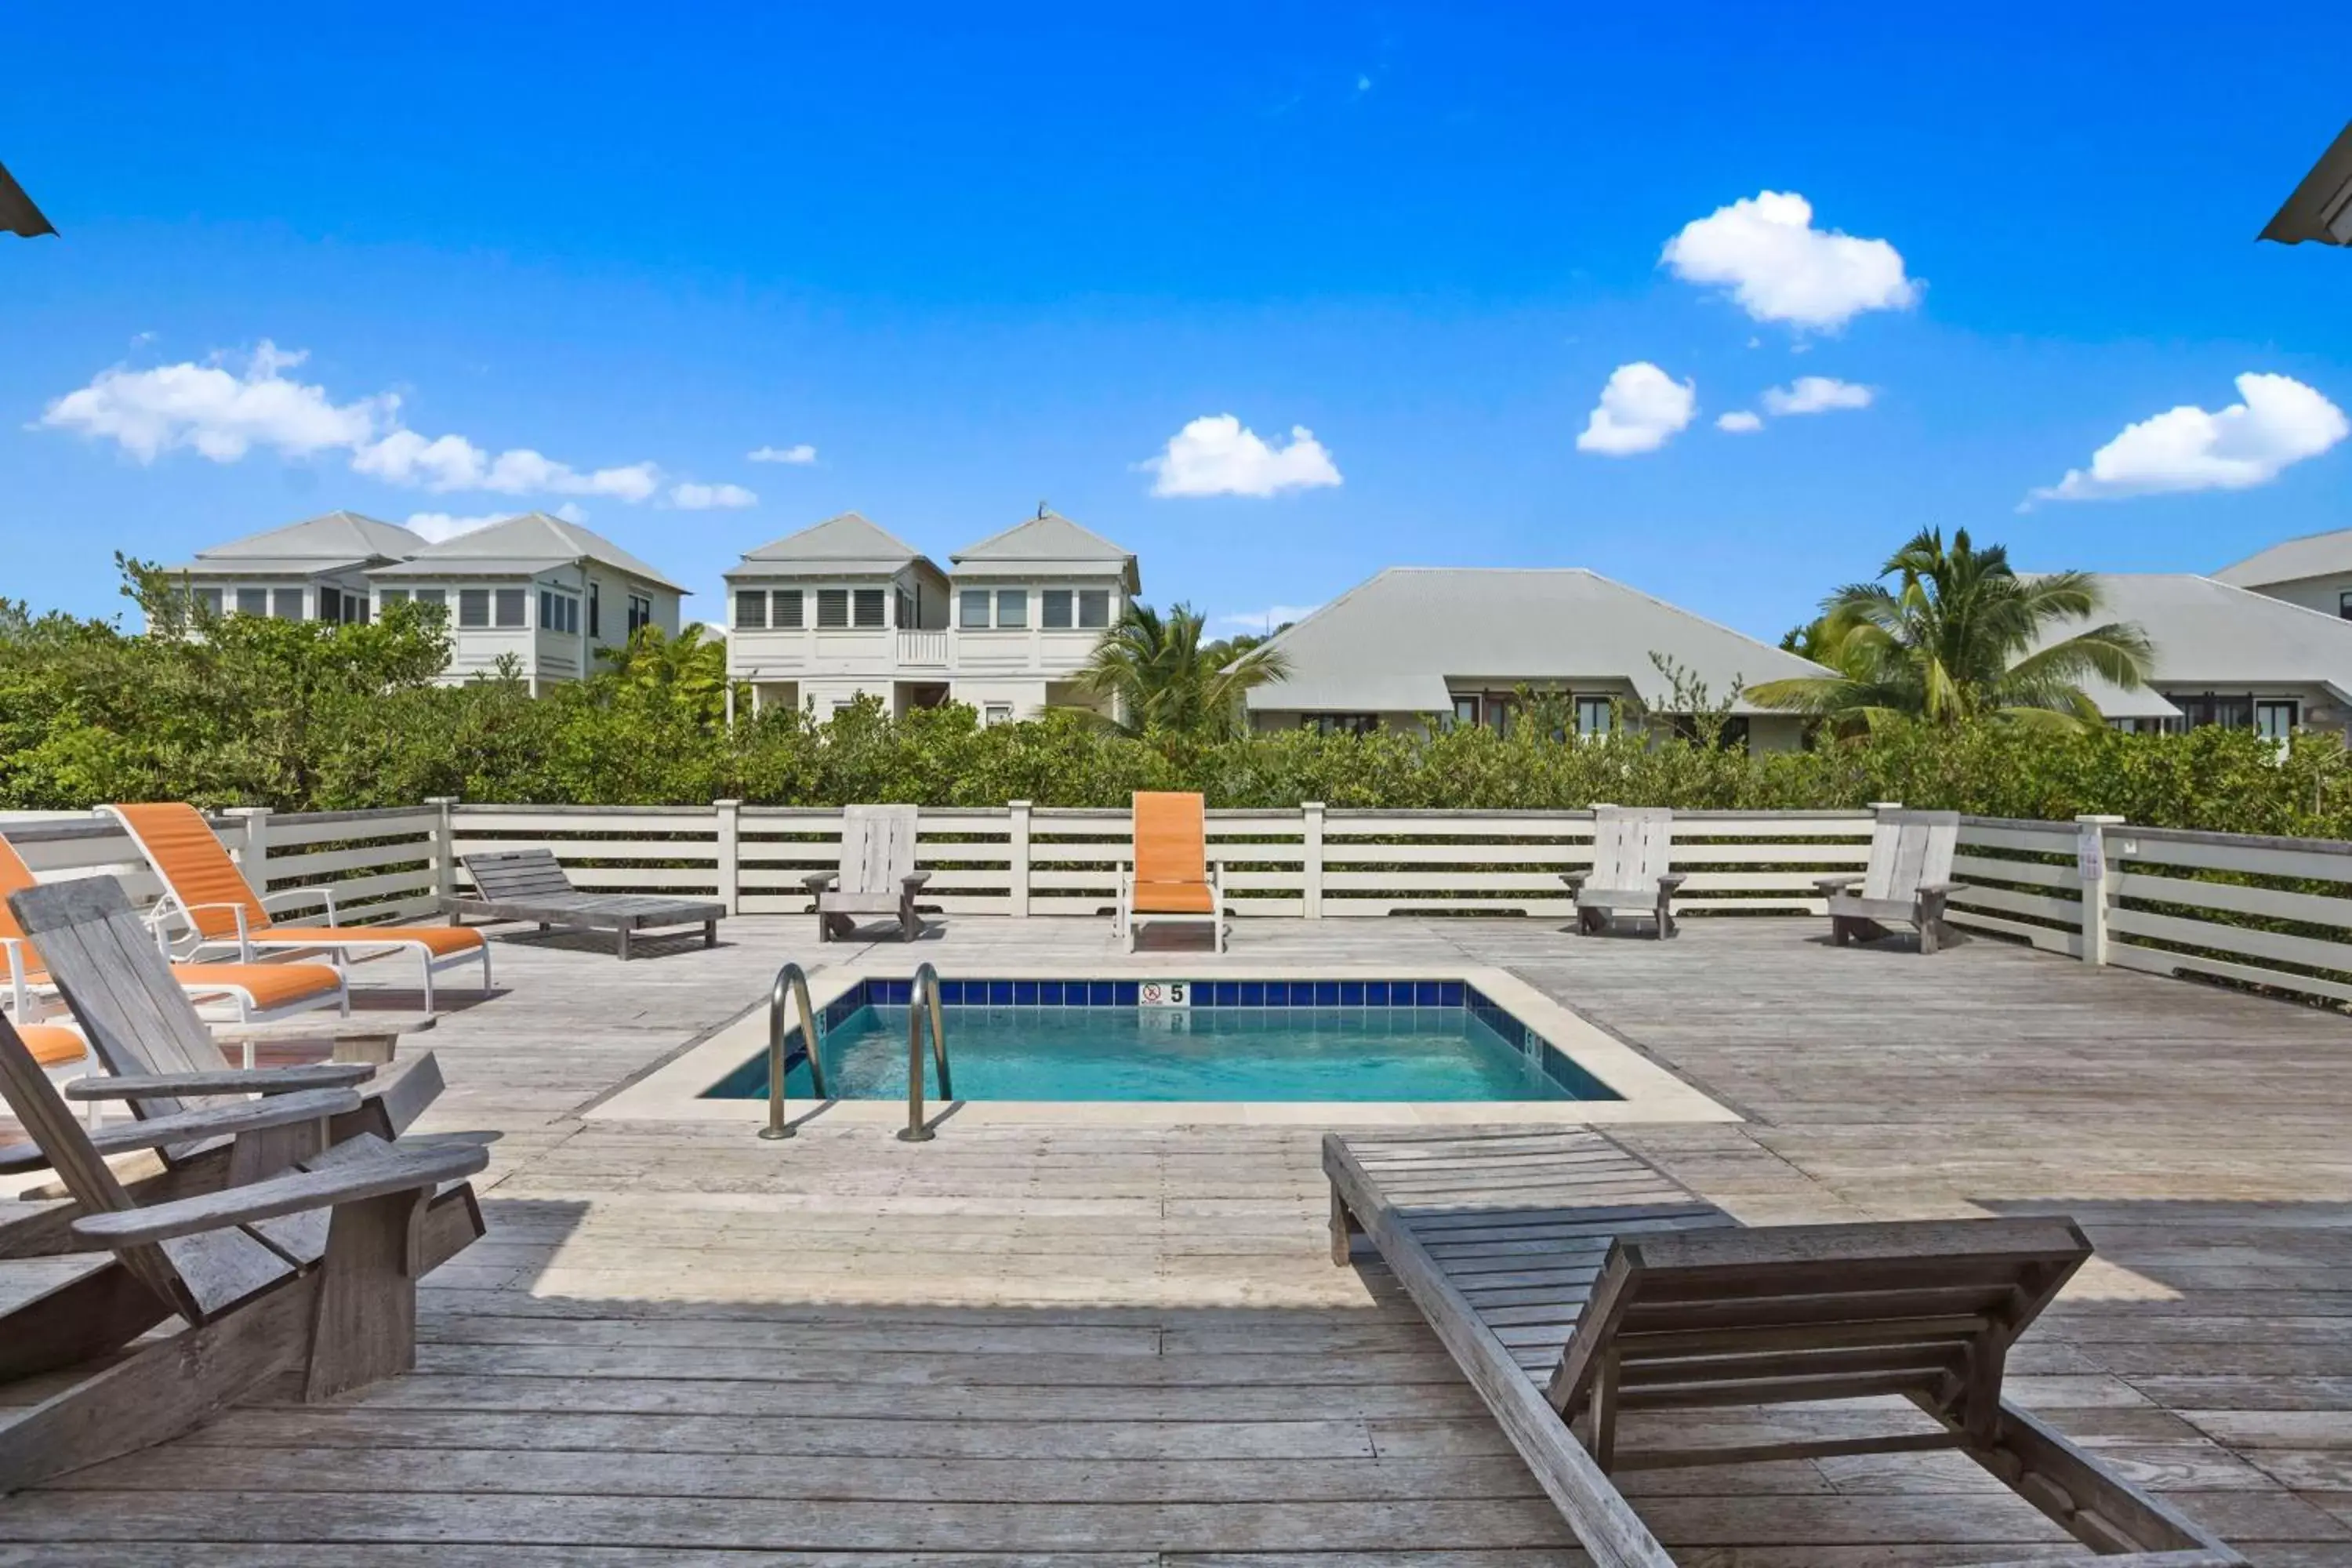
{"x": 1764, "y": 251}
{"x": 704, "y": 497}
{"x": 1816, "y": 394}
{"x": 1641, "y": 410}
{"x": 1214, "y": 456}
{"x": 2279, "y": 423}
{"x": 1740, "y": 422}
{"x": 223, "y": 415}
{"x": 1257, "y": 621}
{"x": 215, "y": 412}
{"x": 437, "y": 526}
{"x": 801, "y": 453}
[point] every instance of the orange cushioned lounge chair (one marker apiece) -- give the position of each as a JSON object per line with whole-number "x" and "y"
{"x": 1172, "y": 880}
{"x": 204, "y": 890}
{"x": 260, "y": 991}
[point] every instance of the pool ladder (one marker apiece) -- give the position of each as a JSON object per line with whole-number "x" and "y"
{"x": 922, "y": 1007}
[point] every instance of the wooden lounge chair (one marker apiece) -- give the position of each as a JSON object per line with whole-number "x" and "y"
{"x": 1909, "y": 879}
{"x": 529, "y": 885}
{"x": 1171, "y": 878}
{"x": 306, "y": 1262}
{"x": 1572, "y": 1281}
{"x": 203, "y": 888}
{"x": 166, "y": 1061}
{"x": 257, "y": 991}
{"x": 877, "y": 875}
{"x": 1631, "y": 849}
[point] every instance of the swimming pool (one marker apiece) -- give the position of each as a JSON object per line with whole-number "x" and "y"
{"x": 1081, "y": 1040}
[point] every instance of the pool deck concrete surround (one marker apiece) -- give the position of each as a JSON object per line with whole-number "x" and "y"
{"x": 1125, "y": 1346}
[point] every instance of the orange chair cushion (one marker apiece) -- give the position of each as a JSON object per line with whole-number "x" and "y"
{"x": 438, "y": 940}
{"x": 51, "y": 1046}
{"x": 195, "y": 865}
{"x": 1174, "y": 899}
{"x": 271, "y": 986}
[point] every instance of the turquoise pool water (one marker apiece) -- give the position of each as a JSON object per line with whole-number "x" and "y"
{"x": 1205, "y": 1053}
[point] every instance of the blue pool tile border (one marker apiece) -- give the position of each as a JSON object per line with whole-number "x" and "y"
{"x": 1554, "y": 1063}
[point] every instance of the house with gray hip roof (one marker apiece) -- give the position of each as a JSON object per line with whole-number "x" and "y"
{"x": 846, "y": 609}
{"x": 1423, "y": 647}
{"x": 547, "y": 593}
{"x": 2229, "y": 654}
{"x": 2315, "y": 571}
{"x": 315, "y": 570}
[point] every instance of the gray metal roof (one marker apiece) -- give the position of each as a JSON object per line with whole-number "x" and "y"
{"x": 2311, "y": 555}
{"x": 1046, "y": 545}
{"x": 521, "y": 547}
{"x": 2321, "y": 207}
{"x": 2210, "y": 634}
{"x": 1390, "y": 645}
{"x": 848, "y": 545}
{"x": 324, "y": 544}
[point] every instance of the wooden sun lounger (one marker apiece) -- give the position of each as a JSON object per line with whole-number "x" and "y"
{"x": 306, "y": 1263}
{"x": 1572, "y": 1281}
{"x": 163, "y": 1061}
{"x": 529, "y": 885}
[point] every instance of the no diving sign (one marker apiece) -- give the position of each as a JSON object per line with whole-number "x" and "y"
{"x": 1164, "y": 993}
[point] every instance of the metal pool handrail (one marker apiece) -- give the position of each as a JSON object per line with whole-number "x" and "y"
{"x": 794, "y": 976}
{"x": 923, "y": 989}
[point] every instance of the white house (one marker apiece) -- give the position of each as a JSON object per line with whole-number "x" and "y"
{"x": 315, "y": 570}
{"x": 2230, "y": 655}
{"x": 2315, "y": 571}
{"x": 845, "y": 609}
{"x": 547, "y": 592}
{"x": 1432, "y": 646}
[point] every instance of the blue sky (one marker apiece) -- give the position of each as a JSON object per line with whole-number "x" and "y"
{"x": 975, "y": 257}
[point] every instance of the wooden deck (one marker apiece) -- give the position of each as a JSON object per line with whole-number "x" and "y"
{"x": 1117, "y": 1346}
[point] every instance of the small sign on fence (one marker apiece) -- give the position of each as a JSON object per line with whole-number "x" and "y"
{"x": 1164, "y": 993}
{"x": 2089, "y": 853}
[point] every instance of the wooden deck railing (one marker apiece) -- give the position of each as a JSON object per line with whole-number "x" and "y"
{"x": 2274, "y": 912}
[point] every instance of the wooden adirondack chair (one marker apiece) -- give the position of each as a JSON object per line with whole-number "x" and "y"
{"x": 166, "y": 1062}
{"x": 1909, "y": 879}
{"x": 529, "y": 885}
{"x": 306, "y": 1262}
{"x": 878, "y": 873}
{"x": 1631, "y": 849}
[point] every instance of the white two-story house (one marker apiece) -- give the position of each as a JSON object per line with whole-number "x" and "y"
{"x": 315, "y": 570}
{"x": 845, "y": 609}
{"x": 548, "y": 591}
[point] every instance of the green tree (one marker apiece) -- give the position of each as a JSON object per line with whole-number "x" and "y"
{"x": 1163, "y": 678}
{"x": 1959, "y": 635}
{"x": 689, "y": 668}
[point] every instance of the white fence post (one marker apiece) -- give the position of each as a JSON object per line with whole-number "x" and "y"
{"x": 445, "y": 845}
{"x": 1017, "y": 872}
{"x": 2091, "y": 866}
{"x": 1311, "y": 861}
{"x": 253, "y": 854}
{"x": 731, "y": 853}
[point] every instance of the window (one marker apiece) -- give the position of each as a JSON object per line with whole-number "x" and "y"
{"x": 253, "y": 601}
{"x": 1011, "y": 607}
{"x": 997, "y": 713}
{"x": 331, "y": 602}
{"x": 392, "y": 596}
{"x": 595, "y": 620}
{"x": 1094, "y": 608}
{"x": 870, "y": 604}
{"x": 910, "y": 609}
{"x": 641, "y": 613}
{"x": 788, "y": 610}
{"x": 2344, "y": 607}
{"x": 355, "y": 608}
{"x": 558, "y": 612}
{"x": 513, "y": 606}
{"x": 2274, "y": 721}
{"x": 750, "y": 609}
{"x": 971, "y": 609}
{"x": 1053, "y": 610}
{"x": 1343, "y": 723}
{"x": 1465, "y": 712}
{"x": 473, "y": 606}
{"x": 549, "y": 617}
{"x": 285, "y": 603}
{"x": 208, "y": 600}
{"x": 1594, "y": 716}
{"x": 832, "y": 608}
{"x": 433, "y": 599}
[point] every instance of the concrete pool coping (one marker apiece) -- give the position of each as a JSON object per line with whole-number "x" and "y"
{"x": 673, "y": 1092}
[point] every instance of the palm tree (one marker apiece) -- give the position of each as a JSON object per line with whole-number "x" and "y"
{"x": 1160, "y": 676}
{"x": 1961, "y": 636}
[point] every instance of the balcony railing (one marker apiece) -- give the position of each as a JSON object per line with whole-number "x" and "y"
{"x": 923, "y": 648}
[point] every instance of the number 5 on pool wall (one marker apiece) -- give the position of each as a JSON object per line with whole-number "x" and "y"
{"x": 1163, "y": 993}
